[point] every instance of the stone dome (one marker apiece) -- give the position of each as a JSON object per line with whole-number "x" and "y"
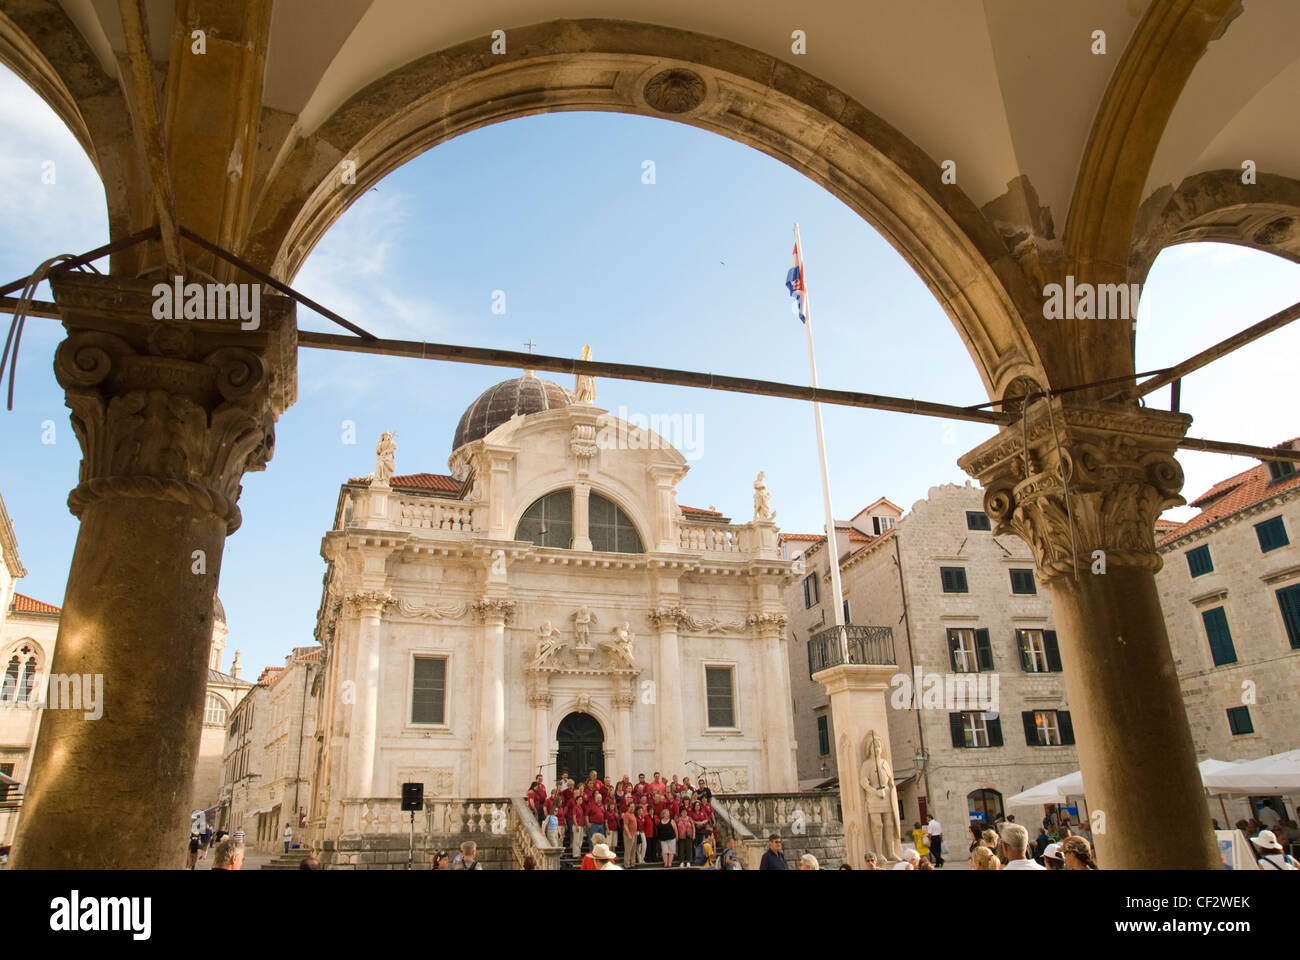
{"x": 218, "y": 612}
{"x": 523, "y": 395}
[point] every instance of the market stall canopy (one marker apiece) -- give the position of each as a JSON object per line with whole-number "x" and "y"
{"x": 1276, "y": 774}
{"x": 1071, "y": 785}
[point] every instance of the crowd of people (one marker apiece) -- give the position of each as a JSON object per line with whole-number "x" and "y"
{"x": 652, "y": 820}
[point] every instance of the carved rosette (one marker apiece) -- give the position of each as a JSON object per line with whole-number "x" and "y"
{"x": 1117, "y": 465}
{"x": 495, "y": 610}
{"x": 169, "y": 410}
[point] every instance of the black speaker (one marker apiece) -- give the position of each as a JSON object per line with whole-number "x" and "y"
{"x": 412, "y": 796}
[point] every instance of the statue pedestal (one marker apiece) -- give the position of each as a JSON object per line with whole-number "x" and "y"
{"x": 376, "y": 514}
{"x": 859, "y": 707}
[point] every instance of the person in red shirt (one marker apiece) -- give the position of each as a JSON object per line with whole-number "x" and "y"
{"x": 675, "y": 807}
{"x": 645, "y": 828}
{"x": 579, "y": 819}
{"x": 657, "y": 785}
{"x": 531, "y": 797}
{"x": 629, "y": 838}
{"x": 700, "y": 821}
{"x": 674, "y": 788}
{"x": 613, "y": 825}
{"x": 640, "y": 787}
{"x": 595, "y": 783}
{"x": 685, "y": 840}
{"x": 595, "y": 812}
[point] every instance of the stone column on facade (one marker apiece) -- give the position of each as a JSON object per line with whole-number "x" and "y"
{"x": 363, "y": 737}
{"x": 667, "y": 532}
{"x": 668, "y": 693}
{"x": 581, "y": 531}
{"x": 859, "y": 706}
{"x": 623, "y": 701}
{"x": 776, "y": 720}
{"x": 498, "y": 460}
{"x": 540, "y": 702}
{"x": 494, "y": 612}
{"x": 169, "y": 415}
{"x": 1083, "y": 486}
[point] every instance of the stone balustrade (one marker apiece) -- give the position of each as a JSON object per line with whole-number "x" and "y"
{"x": 710, "y": 538}
{"x": 384, "y": 815}
{"x": 529, "y": 839}
{"x": 808, "y": 822}
{"x": 455, "y": 516}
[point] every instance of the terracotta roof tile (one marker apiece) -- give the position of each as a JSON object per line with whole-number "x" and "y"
{"x": 420, "y": 481}
{"x": 25, "y": 604}
{"x": 710, "y": 513}
{"x": 1233, "y": 495}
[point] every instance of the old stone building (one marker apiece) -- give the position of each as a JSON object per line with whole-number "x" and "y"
{"x": 547, "y": 605}
{"x": 290, "y": 733}
{"x": 224, "y": 691}
{"x": 1230, "y": 589}
{"x": 978, "y": 709}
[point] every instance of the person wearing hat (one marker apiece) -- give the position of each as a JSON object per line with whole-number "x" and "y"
{"x": 1277, "y": 858}
{"x": 602, "y": 854}
{"x": 1053, "y": 858}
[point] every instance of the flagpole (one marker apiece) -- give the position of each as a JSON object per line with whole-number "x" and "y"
{"x": 832, "y": 543}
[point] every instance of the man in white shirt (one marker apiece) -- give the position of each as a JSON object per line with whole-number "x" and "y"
{"x": 934, "y": 840}
{"x": 1015, "y": 841}
{"x": 288, "y": 837}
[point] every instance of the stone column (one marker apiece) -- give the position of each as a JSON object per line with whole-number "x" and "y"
{"x": 491, "y": 733}
{"x": 581, "y": 524}
{"x": 169, "y": 415}
{"x": 668, "y": 690}
{"x": 540, "y": 701}
{"x": 859, "y": 707}
{"x": 623, "y": 701}
{"x": 363, "y": 736}
{"x": 776, "y": 720}
{"x": 1083, "y": 485}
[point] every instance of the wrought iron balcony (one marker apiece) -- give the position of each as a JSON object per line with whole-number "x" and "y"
{"x": 874, "y": 645}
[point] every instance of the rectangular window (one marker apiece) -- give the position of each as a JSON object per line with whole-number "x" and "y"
{"x": 811, "y": 592}
{"x": 720, "y": 694}
{"x": 1272, "y": 534}
{"x": 429, "y": 690}
{"x": 881, "y": 524}
{"x": 1280, "y": 470}
{"x": 1239, "y": 721}
{"x": 978, "y": 520}
{"x": 1022, "y": 581}
{"x": 1220, "y": 637}
{"x": 1198, "y": 560}
{"x": 1034, "y": 651}
{"x": 1288, "y": 599}
{"x": 823, "y": 736}
{"x": 974, "y": 730}
{"x": 846, "y": 612}
{"x": 1047, "y": 728}
{"x": 970, "y": 651}
{"x": 953, "y": 579}
{"x": 8, "y": 770}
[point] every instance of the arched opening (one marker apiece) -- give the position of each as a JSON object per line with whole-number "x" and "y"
{"x": 549, "y": 521}
{"x": 984, "y": 806}
{"x": 611, "y": 530}
{"x": 581, "y": 747}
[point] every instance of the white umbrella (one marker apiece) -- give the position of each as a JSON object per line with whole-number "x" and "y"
{"x": 1267, "y": 776}
{"x": 1071, "y": 785}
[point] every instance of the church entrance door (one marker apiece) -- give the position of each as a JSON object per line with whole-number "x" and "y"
{"x": 581, "y": 747}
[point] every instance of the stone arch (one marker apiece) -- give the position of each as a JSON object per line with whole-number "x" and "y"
{"x": 544, "y": 486}
{"x": 1216, "y": 206}
{"x": 707, "y": 82}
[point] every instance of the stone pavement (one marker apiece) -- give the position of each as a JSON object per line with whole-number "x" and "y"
{"x": 253, "y": 860}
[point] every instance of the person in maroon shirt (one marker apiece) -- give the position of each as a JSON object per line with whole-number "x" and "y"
{"x": 579, "y": 820}
{"x": 645, "y": 831}
{"x": 613, "y": 825}
{"x": 685, "y": 840}
{"x": 629, "y": 838}
{"x": 657, "y": 785}
{"x": 640, "y": 787}
{"x": 674, "y": 788}
{"x": 595, "y": 813}
{"x": 700, "y": 821}
{"x": 675, "y": 807}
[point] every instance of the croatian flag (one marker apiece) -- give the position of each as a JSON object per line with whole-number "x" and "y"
{"x": 795, "y": 281}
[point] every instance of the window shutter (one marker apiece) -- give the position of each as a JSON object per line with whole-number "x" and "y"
{"x": 952, "y": 649}
{"x": 983, "y": 650}
{"x": 1031, "y": 728}
{"x": 1022, "y": 642}
{"x": 1288, "y": 599}
{"x": 945, "y": 579}
{"x": 1053, "y": 651}
{"x": 1219, "y": 636}
{"x": 958, "y": 730}
{"x": 995, "y": 730}
{"x": 1066, "y": 727}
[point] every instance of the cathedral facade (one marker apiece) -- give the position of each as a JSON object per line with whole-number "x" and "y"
{"x": 546, "y": 606}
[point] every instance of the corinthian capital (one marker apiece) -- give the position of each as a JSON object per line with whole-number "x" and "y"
{"x": 769, "y": 621}
{"x": 369, "y": 601}
{"x": 169, "y": 409}
{"x": 1073, "y": 479}
{"x": 667, "y": 617}
{"x": 494, "y": 609}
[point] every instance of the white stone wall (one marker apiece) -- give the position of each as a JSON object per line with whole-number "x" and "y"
{"x": 1266, "y": 674}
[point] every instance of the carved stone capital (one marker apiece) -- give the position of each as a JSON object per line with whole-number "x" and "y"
{"x": 169, "y": 409}
{"x": 539, "y": 699}
{"x": 1088, "y": 479}
{"x": 768, "y": 621}
{"x": 624, "y": 701}
{"x": 373, "y": 602}
{"x": 667, "y": 617}
{"x": 496, "y": 610}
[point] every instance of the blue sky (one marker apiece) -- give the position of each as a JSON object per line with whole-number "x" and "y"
{"x": 686, "y": 272}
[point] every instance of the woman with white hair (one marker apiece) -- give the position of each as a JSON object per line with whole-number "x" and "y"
{"x": 809, "y": 862}
{"x": 910, "y": 859}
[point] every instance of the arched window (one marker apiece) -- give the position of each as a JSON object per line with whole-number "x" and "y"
{"x": 549, "y": 521}
{"x": 612, "y": 530}
{"x": 984, "y": 806}
{"x": 215, "y": 711}
{"x": 28, "y": 681}
{"x": 9, "y": 687}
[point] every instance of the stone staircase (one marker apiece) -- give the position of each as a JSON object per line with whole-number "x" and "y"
{"x": 287, "y": 861}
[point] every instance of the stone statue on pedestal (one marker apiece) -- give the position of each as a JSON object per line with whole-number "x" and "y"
{"x": 621, "y": 645}
{"x": 877, "y": 779}
{"x": 762, "y": 499}
{"x": 548, "y": 644}
{"x": 385, "y": 461}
